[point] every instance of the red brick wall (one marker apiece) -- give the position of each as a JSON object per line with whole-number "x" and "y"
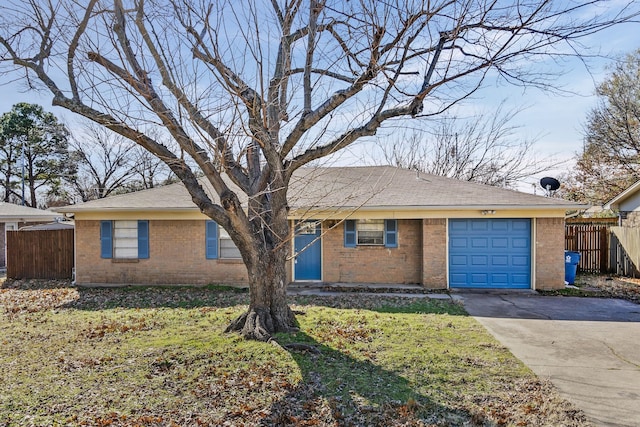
{"x": 549, "y": 255}
{"x": 434, "y": 258}
{"x": 374, "y": 264}
{"x": 176, "y": 256}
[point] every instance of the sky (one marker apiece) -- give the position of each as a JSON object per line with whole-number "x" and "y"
{"x": 554, "y": 120}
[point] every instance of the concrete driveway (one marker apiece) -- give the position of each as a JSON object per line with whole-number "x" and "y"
{"x": 588, "y": 347}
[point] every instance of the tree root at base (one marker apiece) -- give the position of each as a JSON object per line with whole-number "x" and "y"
{"x": 259, "y": 324}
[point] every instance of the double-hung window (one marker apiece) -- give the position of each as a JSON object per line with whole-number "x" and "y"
{"x": 219, "y": 244}
{"x": 371, "y": 232}
{"x": 124, "y": 239}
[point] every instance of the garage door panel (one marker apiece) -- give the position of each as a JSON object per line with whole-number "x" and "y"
{"x": 500, "y": 279}
{"x": 479, "y": 279}
{"x": 479, "y": 225}
{"x": 522, "y": 243}
{"x": 458, "y": 226}
{"x": 458, "y": 279}
{"x": 499, "y": 260}
{"x": 458, "y": 242}
{"x": 480, "y": 242}
{"x": 490, "y": 253}
{"x": 520, "y": 261}
{"x": 499, "y": 225}
{"x": 520, "y": 279}
{"x": 521, "y": 225}
{"x": 499, "y": 243}
{"x": 479, "y": 260}
{"x": 458, "y": 260}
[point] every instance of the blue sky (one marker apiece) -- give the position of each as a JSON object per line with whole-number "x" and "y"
{"x": 554, "y": 120}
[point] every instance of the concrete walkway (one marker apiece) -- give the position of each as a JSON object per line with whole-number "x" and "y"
{"x": 588, "y": 347}
{"x": 364, "y": 289}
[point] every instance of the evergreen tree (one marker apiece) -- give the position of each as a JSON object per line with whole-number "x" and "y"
{"x": 33, "y": 153}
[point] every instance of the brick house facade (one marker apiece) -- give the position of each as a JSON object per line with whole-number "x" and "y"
{"x": 410, "y": 243}
{"x": 177, "y": 256}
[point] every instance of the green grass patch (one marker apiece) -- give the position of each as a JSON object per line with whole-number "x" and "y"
{"x": 152, "y": 357}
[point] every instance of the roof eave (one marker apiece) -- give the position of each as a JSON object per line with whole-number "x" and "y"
{"x": 568, "y": 207}
{"x": 615, "y": 202}
{"x": 71, "y": 209}
{"x": 25, "y": 218}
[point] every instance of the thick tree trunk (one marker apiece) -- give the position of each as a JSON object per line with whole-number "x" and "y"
{"x": 268, "y": 311}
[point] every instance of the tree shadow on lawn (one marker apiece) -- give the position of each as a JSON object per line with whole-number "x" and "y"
{"x": 159, "y": 297}
{"x": 217, "y": 296}
{"x": 384, "y": 304}
{"x": 340, "y": 389}
{"x": 224, "y": 297}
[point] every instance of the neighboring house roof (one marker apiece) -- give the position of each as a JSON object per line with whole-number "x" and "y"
{"x": 630, "y": 192}
{"x": 592, "y": 211}
{"x": 362, "y": 188}
{"x": 10, "y": 212}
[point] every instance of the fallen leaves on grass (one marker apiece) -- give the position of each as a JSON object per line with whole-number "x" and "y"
{"x": 124, "y": 357}
{"x": 110, "y": 326}
{"x": 527, "y": 402}
{"x": 610, "y": 286}
{"x": 32, "y": 296}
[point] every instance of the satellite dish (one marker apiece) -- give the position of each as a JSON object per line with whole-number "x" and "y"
{"x": 549, "y": 184}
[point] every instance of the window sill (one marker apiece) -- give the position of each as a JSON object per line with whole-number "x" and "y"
{"x": 124, "y": 260}
{"x": 230, "y": 261}
{"x": 372, "y": 247}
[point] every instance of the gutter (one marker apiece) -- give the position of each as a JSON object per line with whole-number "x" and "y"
{"x": 446, "y": 207}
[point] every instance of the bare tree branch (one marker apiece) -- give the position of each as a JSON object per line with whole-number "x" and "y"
{"x": 250, "y": 93}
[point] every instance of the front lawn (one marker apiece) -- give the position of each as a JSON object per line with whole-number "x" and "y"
{"x": 158, "y": 357}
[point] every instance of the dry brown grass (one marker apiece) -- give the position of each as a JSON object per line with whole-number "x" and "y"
{"x": 610, "y": 286}
{"x": 158, "y": 357}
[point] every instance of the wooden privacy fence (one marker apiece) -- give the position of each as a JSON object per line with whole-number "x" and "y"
{"x": 40, "y": 254}
{"x": 591, "y": 239}
{"x": 625, "y": 251}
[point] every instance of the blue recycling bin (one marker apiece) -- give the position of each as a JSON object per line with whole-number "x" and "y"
{"x": 571, "y": 260}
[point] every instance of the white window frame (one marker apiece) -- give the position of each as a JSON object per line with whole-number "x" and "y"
{"x": 370, "y": 223}
{"x": 125, "y": 239}
{"x": 232, "y": 250}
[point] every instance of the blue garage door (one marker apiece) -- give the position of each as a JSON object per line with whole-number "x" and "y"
{"x": 490, "y": 253}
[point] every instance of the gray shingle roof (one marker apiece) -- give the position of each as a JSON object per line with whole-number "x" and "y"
{"x": 10, "y": 212}
{"x": 367, "y": 187}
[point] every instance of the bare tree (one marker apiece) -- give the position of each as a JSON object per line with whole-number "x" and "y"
{"x": 609, "y": 161}
{"x": 253, "y": 91}
{"x": 483, "y": 148}
{"x": 148, "y": 170}
{"x": 103, "y": 163}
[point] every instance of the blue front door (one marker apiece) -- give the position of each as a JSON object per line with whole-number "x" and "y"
{"x": 308, "y": 256}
